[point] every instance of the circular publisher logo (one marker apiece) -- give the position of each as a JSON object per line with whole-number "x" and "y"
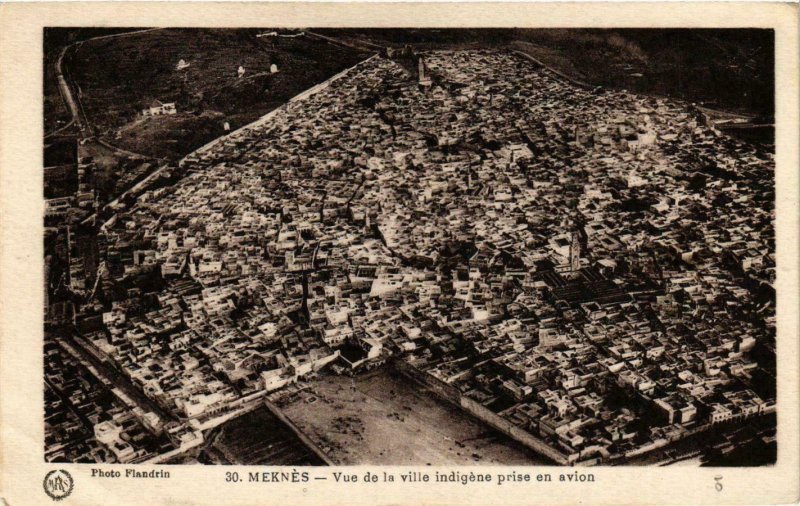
{"x": 58, "y": 484}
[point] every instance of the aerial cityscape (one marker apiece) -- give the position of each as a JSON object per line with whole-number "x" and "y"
{"x": 408, "y": 247}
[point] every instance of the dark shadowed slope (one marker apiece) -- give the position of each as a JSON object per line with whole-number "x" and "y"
{"x": 118, "y": 77}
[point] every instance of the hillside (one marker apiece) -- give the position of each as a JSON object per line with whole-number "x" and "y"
{"x": 56, "y": 114}
{"x": 118, "y": 77}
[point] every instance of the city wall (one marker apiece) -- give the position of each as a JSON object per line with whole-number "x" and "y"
{"x": 232, "y": 135}
{"x": 360, "y": 45}
{"x": 440, "y": 388}
{"x": 453, "y": 396}
{"x": 512, "y": 431}
{"x": 267, "y": 117}
{"x": 556, "y": 72}
{"x": 306, "y": 441}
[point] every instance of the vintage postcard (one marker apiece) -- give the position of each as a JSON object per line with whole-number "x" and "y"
{"x": 309, "y": 253}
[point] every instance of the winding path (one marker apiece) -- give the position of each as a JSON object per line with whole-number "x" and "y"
{"x": 72, "y": 100}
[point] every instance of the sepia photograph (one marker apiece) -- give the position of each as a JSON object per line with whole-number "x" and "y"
{"x": 399, "y": 253}
{"x": 409, "y": 246}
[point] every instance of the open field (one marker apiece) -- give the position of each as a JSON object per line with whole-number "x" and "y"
{"x": 259, "y": 438}
{"x": 380, "y": 418}
{"x": 118, "y": 77}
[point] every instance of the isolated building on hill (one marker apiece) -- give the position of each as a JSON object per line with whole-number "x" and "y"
{"x": 157, "y": 108}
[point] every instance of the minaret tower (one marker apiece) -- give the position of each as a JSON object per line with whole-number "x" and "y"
{"x": 424, "y": 78}
{"x": 575, "y": 251}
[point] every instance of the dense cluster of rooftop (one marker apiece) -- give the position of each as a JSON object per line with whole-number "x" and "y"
{"x": 592, "y": 268}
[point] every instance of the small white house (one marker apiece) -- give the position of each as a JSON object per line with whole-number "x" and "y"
{"x": 273, "y": 69}
{"x": 158, "y": 108}
{"x": 241, "y": 71}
